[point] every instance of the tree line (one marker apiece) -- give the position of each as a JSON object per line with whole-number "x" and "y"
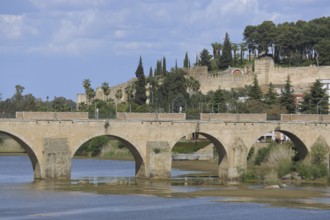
{"x": 291, "y": 43}
{"x": 21, "y": 102}
{"x": 171, "y": 90}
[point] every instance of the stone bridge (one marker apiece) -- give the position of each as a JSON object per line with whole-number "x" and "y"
{"x": 52, "y": 142}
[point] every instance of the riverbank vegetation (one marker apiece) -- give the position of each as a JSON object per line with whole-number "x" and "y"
{"x": 280, "y": 162}
{"x": 105, "y": 147}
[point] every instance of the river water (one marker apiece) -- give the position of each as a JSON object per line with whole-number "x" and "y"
{"x": 22, "y": 198}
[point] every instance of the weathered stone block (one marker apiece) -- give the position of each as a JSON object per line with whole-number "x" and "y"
{"x": 159, "y": 159}
{"x": 57, "y": 158}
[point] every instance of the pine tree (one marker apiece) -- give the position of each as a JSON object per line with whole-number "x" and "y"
{"x": 270, "y": 96}
{"x": 316, "y": 102}
{"x": 287, "y": 99}
{"x": 218, "y": 101}
{"x": 255, "y": 91}
{"x": 140, "y": 86}
{"x": 205, "y": 58}
{"x": 226, "y": 58}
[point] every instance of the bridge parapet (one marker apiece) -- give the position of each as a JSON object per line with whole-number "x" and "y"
{"x": 52, "y": 115}
{"x": 151, "y": 116}
{"x": 305, "y": 117}
{"x": 233, "y": 117}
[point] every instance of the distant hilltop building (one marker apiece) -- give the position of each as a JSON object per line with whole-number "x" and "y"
{"x": 264, "y": 69}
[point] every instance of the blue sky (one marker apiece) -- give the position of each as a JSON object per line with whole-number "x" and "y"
{"x": 51, "y": 46}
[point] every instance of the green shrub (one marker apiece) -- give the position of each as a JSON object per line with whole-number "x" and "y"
{"x": 280, "y": 159}
{"x": 93, "y": 147}
{"x": 271, "y": 178}
{"x": 311, "y": 171}
{"x": 248, "y": 176}
{"x": 251, "y": 153}
{"x": 319, "y": 154}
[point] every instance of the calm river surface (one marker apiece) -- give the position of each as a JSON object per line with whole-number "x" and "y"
{"x": 21, "y": 198}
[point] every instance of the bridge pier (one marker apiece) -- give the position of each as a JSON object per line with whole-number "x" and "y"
{"x": 237, "y": 159}
{"x": 56, "y": 159}
{"x": 158, "y": 160}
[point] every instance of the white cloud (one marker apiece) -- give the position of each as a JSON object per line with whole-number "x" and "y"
{"x": 14, "y": 27}
{"x": 75, "y": 24}
{"x": 51, "y": 4}
{"x": 136, "y": 46}
{"x": 119, "y": 34}
{"x": 74, "y": 47}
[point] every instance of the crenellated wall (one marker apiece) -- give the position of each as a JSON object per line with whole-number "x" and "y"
{"x": 301, "y": 77}
{"x": 264, "y": 68}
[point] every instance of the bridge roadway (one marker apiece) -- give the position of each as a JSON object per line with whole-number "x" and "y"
{"x": 51, "y": 144}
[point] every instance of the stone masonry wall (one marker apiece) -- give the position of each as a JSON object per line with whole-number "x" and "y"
{"x": 305, "y": 117}
{"x": 51, "y": 115}
{"x": 233, "y": 117}
{"x": 151, "y": 116}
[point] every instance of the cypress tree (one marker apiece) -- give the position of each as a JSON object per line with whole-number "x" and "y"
{"x": 186, "y": 61}
{"x": 164, "y": 66}
{"x": 226, "y": 58}
{"x": 255, "y": 91}
{"x": 287, "y": 99}
{"x": 150, "y": 73}
{"x": 140, "y": 94}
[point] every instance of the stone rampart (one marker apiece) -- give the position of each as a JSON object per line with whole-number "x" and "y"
{"x": 301, "y": 77}
{"x": 233, "y": 117}
{"x": 213, "y": 82}
{"x": 151, "y": 116}
{"x": 52, "y": 115}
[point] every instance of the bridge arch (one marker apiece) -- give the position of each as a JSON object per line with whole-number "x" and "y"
{"x": 299, "y": 145}
{"x": 27, "y": 146}
{"x": 220, "y": 149}
{"x": 139, "y": 162}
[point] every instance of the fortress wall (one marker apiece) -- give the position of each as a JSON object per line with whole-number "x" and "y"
{"x": 233, "y": 117}
{"x": 300, "y": 77}
{"x": 151, "y": 116}
{"x": 51, "y": 115}
{"x": 213, "y": 82}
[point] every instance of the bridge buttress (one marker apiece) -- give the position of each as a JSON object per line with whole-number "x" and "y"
{"x": 56, "y": 159}
{"x": 158, "y": 160}
{"x": 237, "y": 157}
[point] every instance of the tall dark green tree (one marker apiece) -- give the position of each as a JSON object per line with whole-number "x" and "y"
{"x": 186, "y": 61}
{"x": 205, "y": 58}
{"x": 316, "y": 101}
{"x": 164, "y": 66}
{"x": 287, "y": 99}
{"x": 255, "y": 91}
{"x": 226, "y": 58}
{"x": 323, "y": 48}
{"x": 270, "y": 96}
{"x": 140, "y": 86}
{"x": 218, "y": 101}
